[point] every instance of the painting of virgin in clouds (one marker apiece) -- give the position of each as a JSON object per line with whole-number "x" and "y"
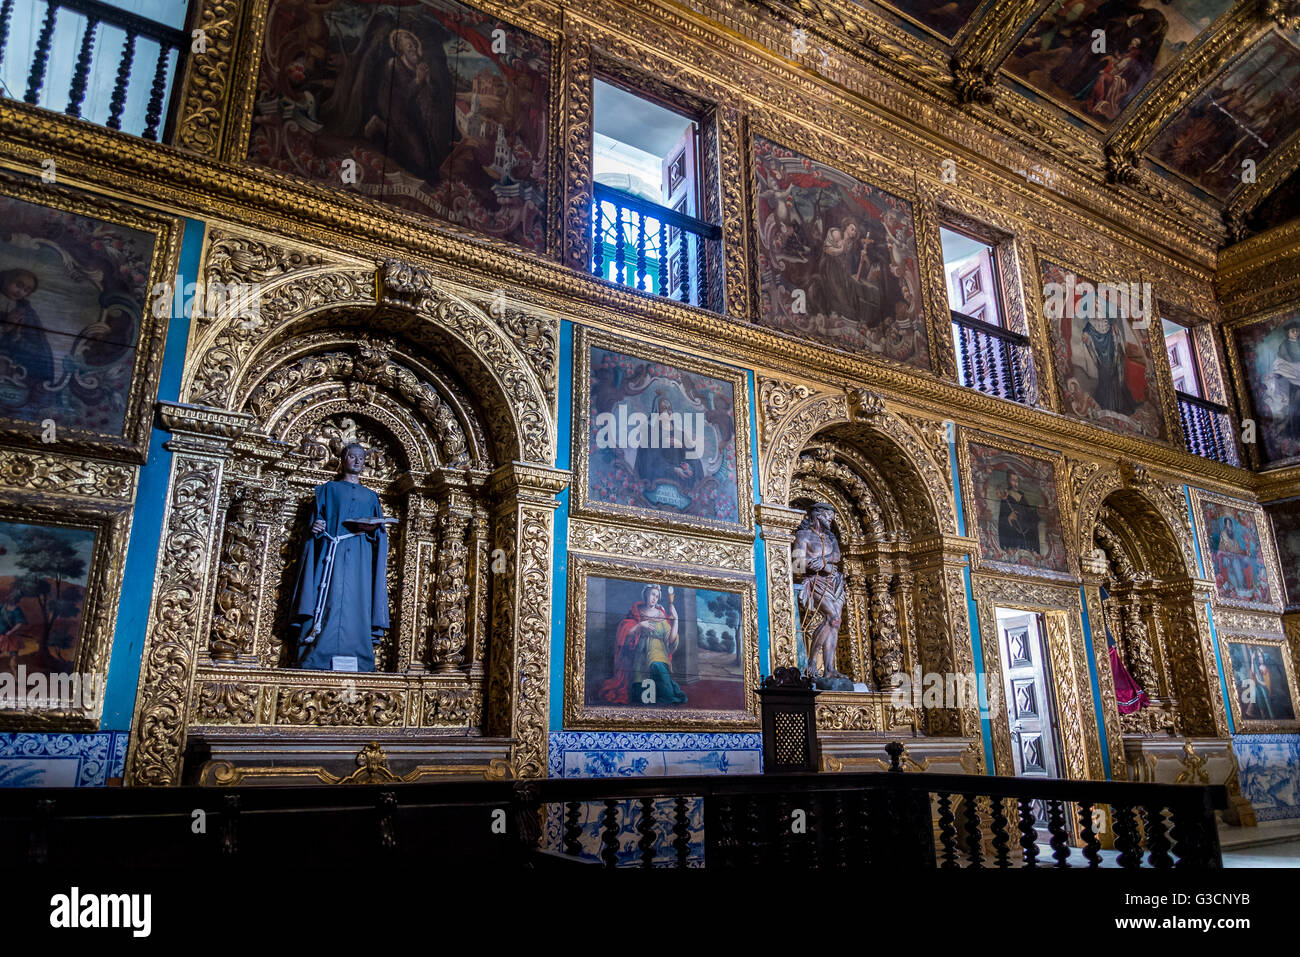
{"x": 837, "y": 258}
{"x": 1060, "y": 55}
{"x": 1103, "y": 353}
{"x": 1017, "y": 517}
{"x": 72, "y": 295}
{"x": 1270, "y": 357}
{"x": 1237, "y": 553}
{"x": 661, "y": 438}
{"x": 425, "y": 104}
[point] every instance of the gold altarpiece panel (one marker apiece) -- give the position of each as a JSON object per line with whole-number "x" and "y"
{"x": 346, "y": 350}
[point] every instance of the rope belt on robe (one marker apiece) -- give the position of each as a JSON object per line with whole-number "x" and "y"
{"x": 327, "y": 575}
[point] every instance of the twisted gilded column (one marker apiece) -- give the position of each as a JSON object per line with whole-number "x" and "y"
{"x": 886, "y": 643}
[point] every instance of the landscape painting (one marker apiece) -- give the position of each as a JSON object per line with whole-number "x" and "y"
{"x": 1270, "y": 358}
{"x": 43, "y": 574}
{"x": 1103, "y": 354}
{"x": 661, "y": 438}
{"x": 837, "y": 258}
{"x": 1244, "y": 114}
{"x": 1097, "y": 77}
{"x": 1237, "y": 553}
{"x": 661, "y": 651}
{"x": 430, "y": 106}
{"x": 72, "y": 297}
{"x": 1260, "y": 680}
{"x": 1017, "y": 516}
{"x": 1286, "y": 533}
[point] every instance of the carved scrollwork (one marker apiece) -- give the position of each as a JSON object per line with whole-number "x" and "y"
{"x": 339, "y": 708}
{"x": 237, "y": 581}
{"x": 29, "y": 471}
{"x": 226, "y": 702}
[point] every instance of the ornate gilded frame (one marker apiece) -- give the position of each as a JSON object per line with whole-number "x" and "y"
{"x": 1063, "y": 508}
{"x": 111, "y": 525}
{"x": 578, "y": 714}
{"x": 1241, "y": 381}
{"x": 133, "y": 444}
{"x": 818, "y": 145}
{"x": 585, "y": 340}
{"x": 1267, "y": 546}
{"x": 1257, "y": 725}
{"x": 1062, "y": 611}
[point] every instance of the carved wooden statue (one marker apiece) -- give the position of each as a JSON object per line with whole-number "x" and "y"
{"x": 815, "y": 557}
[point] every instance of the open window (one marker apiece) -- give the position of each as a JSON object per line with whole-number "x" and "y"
{"x": 1202, "y": 409}
{"x": 991, "y": 356}
{"x": 648, "y": 224}
{"x": 1183, "y": 364}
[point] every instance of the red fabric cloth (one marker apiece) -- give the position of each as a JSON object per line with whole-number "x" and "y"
{"x": 614, "y": 690}
{"x": 1127, "y": 693}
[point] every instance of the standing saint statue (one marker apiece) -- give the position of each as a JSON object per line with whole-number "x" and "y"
{"x": 815, "y": 556}
{"x": 340, "y": 602}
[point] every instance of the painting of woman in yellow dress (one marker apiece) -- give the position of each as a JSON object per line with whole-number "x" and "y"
{"x": 643, "y": 654}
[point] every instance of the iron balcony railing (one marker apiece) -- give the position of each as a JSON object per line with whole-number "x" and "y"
{"x": 991, "y": 359}
{"x": 117, "y": 53}
{"x": 1207, "y": 429}
{"x": 652, "y": 248}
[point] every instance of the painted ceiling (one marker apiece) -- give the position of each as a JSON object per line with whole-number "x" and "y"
{"x": 1204, "y": 93}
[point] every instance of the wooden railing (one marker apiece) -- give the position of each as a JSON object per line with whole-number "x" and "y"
{"x": 88, "y": 17}
{"x": 991, "y": 359}
{"x": 1207, "y": 429}
{"x": 886, "y": 820}
{"x": 652, "y": 248}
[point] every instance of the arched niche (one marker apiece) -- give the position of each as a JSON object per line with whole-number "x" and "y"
{"x": 1142, "y": 553}
{"x": 885, "y": 478}
{"x": 458, "y": 404}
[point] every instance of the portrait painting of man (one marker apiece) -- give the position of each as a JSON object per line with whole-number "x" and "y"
{"x": 430, "y": 106}
{"x": 1270, "y": 358}
{"x": 837, "y": 258}
{"x": 72, "y": 297}
{"x": 1017, "y": 519}
{"x": 1237, "y": 553}
{"x": 1103, "y": 353}
{"x": 661, "y": 437}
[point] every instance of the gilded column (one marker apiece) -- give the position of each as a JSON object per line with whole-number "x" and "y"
{"x": 449, "y": 632}
{"x": 519, "y": 681}
{"x": 886, "y": 644}
{"x": 777, "y": 525}
{"x": 576, "y": 119}
{"x": 238, "y": 578}
{"x": 480, "y": 549}
{"x": 855, "y": 580}
{"x": 200, "y": 444}
{"x": 1137, "y": 647}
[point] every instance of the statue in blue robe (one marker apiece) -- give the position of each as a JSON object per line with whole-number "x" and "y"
{"x": 340, "y": 602}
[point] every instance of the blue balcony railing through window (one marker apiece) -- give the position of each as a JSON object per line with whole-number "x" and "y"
{"x": 652, "y": 248}
{"x": 1207, "y": 429}
{"x": 94, "y": 60}
{"x": 991, "y": 359}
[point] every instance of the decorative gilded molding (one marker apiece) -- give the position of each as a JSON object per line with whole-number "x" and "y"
{"x": 66, "y": 475}
{"x": 209, "y": 68}
{"x": 606, "y": 538}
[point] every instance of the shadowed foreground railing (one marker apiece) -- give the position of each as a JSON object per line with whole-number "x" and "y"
{"x": 894, "y": 820}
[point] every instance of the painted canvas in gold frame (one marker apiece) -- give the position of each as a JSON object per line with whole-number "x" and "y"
{"x": 63, "y": 564}
{"x": 78, "y": 276}
{"x": 1261, "y": 683}
{"x": 987, "y": 465}
{"x": 619, "y": 628}
{"x": 1237, "y": 548}
{"x": 665, "y": 486}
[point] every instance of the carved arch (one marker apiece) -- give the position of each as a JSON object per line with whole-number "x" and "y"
{"x": 1163, "y": 517}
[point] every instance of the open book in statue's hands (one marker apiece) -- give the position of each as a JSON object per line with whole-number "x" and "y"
{"x": 369, "y": 524}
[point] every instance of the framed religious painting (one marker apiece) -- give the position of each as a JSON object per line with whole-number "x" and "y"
{"x": 1265, "y": 354}
{"x": 837, "y": 258}
{"x": 433, "y": 107}
{"x": 1107, "y": 352}
{"x": 60, "y": 572}
{"x": 1263, "y": 694}
{"x": 660, "y": 437}
{"x": 1285, "y": 518}
{"x": 1013, "y": 508}
{"x": 652, "y": 648}
{"x": 79, "y": 280}
{"x": 1237, "y": 548}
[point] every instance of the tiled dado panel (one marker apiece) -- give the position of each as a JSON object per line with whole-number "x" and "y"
{"x": 604, "y": 754}
{"x": 1270, "y": 773}
{"x": 61, "y": 760}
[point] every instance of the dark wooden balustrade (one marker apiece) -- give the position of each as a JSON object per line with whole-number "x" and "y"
{"x": 887, "y": 820}
{"x": 87, "y": 16}
{"x": 652, "y": 248}
{"x": 1207, "y": 429}
{"x": 991, "y": 359}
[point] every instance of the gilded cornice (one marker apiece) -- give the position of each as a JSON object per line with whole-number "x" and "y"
{"x": 981, "y": 47}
